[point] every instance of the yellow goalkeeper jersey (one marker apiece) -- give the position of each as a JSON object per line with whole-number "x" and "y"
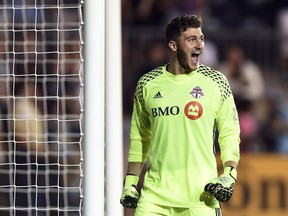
{"x": 173, "y": 126}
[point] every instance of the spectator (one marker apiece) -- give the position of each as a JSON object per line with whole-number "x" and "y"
{"x": 244, "y": 75}
{"x": 283, "y": 29}
{"x": 248, "y": 87}
{"x": 275, "y": 127}
{"x": 152, "y": 12}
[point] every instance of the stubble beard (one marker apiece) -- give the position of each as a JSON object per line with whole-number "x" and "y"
{"x": 183, "y": 62}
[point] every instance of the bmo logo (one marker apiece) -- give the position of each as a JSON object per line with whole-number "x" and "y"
{"x": 173, "y": 110}
{"x": 193, "y": 110}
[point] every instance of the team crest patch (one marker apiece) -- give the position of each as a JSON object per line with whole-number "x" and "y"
{"x": 197, "y": 92}
{"x": 193, "y": 110}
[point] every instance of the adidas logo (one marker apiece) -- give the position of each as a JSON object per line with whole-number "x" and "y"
{"x": 157, "y": 95}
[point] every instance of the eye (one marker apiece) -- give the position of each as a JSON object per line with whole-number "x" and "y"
{"x": 192, "y": 39}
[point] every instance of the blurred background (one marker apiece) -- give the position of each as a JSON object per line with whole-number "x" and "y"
{"x": 248, "y": 42}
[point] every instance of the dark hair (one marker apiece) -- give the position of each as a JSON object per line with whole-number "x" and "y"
{"x": 180, "y": 24}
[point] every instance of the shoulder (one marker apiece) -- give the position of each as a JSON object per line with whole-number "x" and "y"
{"x": 151, "y": 75}
{"x": 218, "y": 78}
{"x": 147, "y": 77}
{"x": 144, "y": 80}
{"x": 211, "y": 73}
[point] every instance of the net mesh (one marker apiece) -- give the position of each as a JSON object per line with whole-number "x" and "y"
{"x": 41, "y": 80}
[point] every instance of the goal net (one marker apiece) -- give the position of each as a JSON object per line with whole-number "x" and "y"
{"x": 41, "y": 104}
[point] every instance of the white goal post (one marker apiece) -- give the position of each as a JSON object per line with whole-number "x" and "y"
{"x": 94, "y": 184}
{"x": 103, "y": 107}
{"x": 114, "y": 114}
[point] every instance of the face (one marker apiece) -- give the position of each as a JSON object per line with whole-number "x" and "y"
{"x": 189, "y": 49}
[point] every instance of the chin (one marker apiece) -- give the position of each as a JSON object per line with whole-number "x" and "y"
{"x": 195, "y": 67}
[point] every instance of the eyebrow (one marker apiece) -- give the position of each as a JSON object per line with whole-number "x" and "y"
{"x": 195, "y": 36}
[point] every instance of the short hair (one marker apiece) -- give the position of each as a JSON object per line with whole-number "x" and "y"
{"x": 180, "y": 24}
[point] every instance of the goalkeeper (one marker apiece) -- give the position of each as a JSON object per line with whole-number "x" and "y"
{"x": 177, "y": 109}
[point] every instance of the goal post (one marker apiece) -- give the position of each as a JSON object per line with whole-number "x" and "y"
{"x": 94, "y": 179}
{"x": 103, "y": 109}
{"x": 113, "y": 108}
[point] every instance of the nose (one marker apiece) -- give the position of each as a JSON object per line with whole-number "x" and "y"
{"x": 199, "y": 44}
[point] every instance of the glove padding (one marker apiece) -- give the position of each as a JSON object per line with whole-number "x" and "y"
{"x": 222, "y": 187}
{"x": 130, "y": 196}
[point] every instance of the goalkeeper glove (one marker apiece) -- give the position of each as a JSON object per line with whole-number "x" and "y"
{"x": 222, "y": 187}
{"x": 130, "y": 194}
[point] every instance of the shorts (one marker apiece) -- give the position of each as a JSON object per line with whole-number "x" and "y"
{"x": 151, "y": 209}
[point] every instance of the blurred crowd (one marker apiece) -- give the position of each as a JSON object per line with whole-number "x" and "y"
{"x": 245, "y": 40}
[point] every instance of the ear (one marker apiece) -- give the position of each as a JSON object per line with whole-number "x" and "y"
{"x": 172, "y": 46}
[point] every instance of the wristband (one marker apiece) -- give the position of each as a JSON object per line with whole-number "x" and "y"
{"x": 131, "y": 179}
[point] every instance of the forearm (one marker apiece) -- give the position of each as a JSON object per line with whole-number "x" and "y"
{"x": 230, "y": 163}
{"x": 135, "y": 168}
{"x": 130, "y": 194}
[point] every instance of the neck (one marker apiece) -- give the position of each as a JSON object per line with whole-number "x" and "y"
{"x": 176, "y": 69}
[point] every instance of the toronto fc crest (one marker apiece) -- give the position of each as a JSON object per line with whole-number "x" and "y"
{"x": 197, "y": 92}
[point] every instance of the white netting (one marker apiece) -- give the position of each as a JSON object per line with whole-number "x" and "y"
{"x": 41, "y": 79}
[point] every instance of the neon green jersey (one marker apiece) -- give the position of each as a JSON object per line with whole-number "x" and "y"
{"x": 173, "y": 126}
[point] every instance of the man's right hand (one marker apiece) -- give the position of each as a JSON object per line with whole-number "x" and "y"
{"x": 130, "y": 196}
{"x": 222, "y": 187}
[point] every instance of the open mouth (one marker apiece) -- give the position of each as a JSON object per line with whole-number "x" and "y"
{"x": 195, "y": 57}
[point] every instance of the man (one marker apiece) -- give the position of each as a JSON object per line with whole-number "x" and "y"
{"x": 177, "y": 109}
